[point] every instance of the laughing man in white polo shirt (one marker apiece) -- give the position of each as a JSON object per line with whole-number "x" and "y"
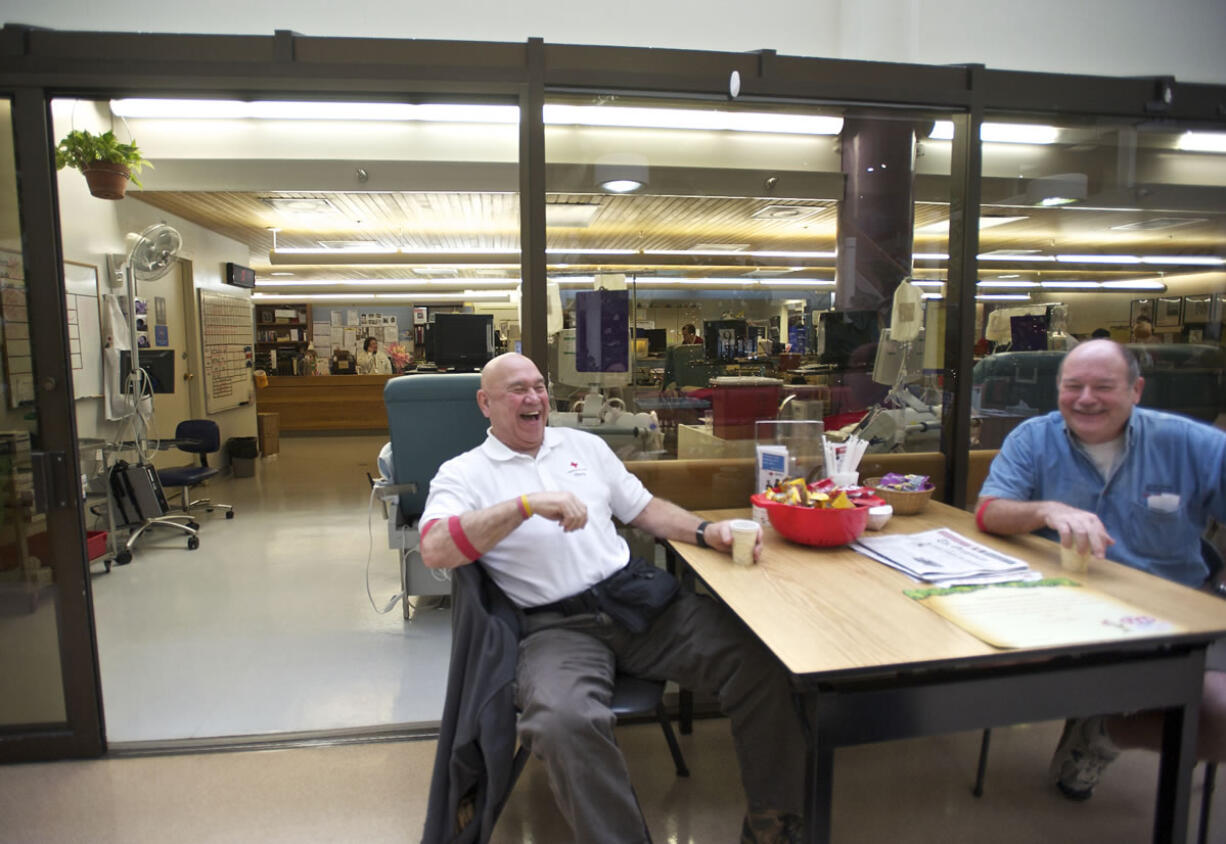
{"x": 536, "y": 505}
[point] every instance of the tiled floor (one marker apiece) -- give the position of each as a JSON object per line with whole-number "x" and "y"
{"x": 908, "y": 792}
{"x": 267, "y": 627}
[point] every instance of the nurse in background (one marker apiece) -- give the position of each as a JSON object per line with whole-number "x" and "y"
{"x": 371, "y": 361}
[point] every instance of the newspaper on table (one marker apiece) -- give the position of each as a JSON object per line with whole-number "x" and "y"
{"x": 946, "y": 557}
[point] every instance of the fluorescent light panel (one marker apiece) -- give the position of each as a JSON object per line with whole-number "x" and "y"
{"x": 1001, "y": 133}
{"x": 1202, "y": 142}
{"x": 555, "y": 114}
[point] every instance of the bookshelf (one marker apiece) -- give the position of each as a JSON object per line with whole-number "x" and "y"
{"x": 282, "y": 334}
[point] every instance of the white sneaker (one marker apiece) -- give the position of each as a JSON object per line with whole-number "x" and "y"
{"x": 1084, "y": 752}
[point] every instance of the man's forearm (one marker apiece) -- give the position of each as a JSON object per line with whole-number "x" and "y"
{"x": 665, "y": 520}
{"x": 481, "y": 529}
{"x": 1005, "y": 516}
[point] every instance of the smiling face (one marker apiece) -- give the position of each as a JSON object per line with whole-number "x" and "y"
{"x": 1096, "y": 391}
{"x": 514, "y": 398}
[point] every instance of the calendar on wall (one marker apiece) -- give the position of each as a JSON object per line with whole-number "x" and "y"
{"x": 227, "y": 333}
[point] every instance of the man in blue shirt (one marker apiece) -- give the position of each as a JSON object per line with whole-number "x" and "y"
{"x": 1121, "y": 482}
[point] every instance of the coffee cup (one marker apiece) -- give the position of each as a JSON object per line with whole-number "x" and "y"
{"x": 744, "y": 538}
{"x": 1073, "y": 560}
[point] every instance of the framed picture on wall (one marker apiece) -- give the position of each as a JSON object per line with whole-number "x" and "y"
{"x": 1141, "y": 307}
{"x": 1167, "y": 311}
{"x": 1196, "y": 308}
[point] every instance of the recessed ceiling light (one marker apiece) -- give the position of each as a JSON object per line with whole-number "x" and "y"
{"x": 1158, "y": 224}
{"x": 570, "y": 215}
{"x": 348, "y": 245}
{"x": 621, "y": 185}
{"x": 281, "y": 273}
{"x": 299, "y": 205}
{"x": 718, "y": 247}
{"x": 786, "y": 212}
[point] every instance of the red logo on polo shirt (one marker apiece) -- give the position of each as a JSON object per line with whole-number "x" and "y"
{"x": 576, "y": 470}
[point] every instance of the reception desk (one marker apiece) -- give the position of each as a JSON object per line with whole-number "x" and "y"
{"x": 325, "y": 402}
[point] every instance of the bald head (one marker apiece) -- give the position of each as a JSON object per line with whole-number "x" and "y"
{"x": 1102, "y": 350}
{"x": 514, "y": 397}
{"x": 1099, "y": 383}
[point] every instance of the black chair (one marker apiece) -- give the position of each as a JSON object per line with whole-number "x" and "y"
{"x": 201, "y": 437}
{"x": 1215, "y": 563}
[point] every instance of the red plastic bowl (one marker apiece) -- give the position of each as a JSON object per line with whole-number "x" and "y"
{"x": 824, "y": 528}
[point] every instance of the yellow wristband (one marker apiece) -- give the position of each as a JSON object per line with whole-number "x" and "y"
{"x": 524, "y": 507}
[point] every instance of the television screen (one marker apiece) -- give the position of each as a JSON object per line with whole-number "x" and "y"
{"x": 462, "y": 341}
{"x": 725, "y": 340}
{"x": 848, "y": 338}
{"x": 657, "y": 340}
{"x": 158, "y": 364}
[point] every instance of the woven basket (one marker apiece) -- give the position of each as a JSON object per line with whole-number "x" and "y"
{"x": 904, "y": 503}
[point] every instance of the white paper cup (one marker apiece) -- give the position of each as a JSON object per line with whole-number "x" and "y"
{"x": 744, "y": 537}
{"x": 844, "y": 479}
{"x": 879, "y": 515}
{"x": 760, "y": 515}
{"x": 1074, "y": 561}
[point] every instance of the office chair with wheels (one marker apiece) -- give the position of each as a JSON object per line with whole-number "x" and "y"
{"x": 1215, "y": 563}
{"x": 202, "y": 437}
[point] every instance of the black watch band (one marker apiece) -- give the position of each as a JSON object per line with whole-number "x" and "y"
{"x": 699, "y": 539}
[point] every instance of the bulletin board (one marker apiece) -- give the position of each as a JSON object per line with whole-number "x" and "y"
{"x": 227, "y": 332}
{"x": 84, "y": 329}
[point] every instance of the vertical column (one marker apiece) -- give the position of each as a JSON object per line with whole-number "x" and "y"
{"x": 876, "y": 216}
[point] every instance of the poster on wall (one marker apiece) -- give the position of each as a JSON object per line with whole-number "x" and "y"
{"x": 1196, "y": 309}
{"x": 1141, "y": 308}
{"x": 1167, "y": 311}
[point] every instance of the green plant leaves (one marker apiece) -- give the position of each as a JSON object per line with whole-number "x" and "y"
{"x": 80, "y": 148}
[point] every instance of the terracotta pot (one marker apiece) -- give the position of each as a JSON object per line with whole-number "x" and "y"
{"x": 106, "y": 180}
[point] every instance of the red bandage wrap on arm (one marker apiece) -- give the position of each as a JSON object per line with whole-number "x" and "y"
{"x": 460, "y": 540}
{"x": 426, "y": 527}
{"x": 983, "y": 505}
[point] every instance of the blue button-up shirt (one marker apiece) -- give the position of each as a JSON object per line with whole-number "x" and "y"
{"x": 1155, "y": 503}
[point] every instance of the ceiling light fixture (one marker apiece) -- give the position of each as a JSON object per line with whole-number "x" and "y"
{"x": 1009, "y": 284}
{"x": 1003, "y": 297}
{"x": 1000, "y": 133}
{"x": 555, "y": 114}
{"x": 1202, "y": 142}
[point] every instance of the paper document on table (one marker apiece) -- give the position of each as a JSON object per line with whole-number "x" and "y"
{"x": 1056, "y": 611}
{"x": 946, "y": 557}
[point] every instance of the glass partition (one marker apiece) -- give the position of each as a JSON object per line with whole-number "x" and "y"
{"x": 712, "y": 266}
{"x": 29, "y": 600}
{"x": 1097, "y": 229}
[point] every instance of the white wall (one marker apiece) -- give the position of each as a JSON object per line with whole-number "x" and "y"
{"x": 1183, "y": 38}
{"x": 91, "y": 228}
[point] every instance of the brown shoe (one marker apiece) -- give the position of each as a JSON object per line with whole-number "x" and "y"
{"x": 770, "y": 827}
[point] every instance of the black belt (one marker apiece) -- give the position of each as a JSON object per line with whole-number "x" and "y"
{"x": 584, "y": 602}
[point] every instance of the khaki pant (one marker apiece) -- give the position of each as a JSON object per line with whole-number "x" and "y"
{"x": 565, "y": 683}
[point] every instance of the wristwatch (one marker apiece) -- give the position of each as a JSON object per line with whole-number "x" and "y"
{"x": 699, "y": 539}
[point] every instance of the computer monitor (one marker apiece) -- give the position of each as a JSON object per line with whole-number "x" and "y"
{"x": 462, "y": 341}
{"x": 158, "y": 364}
{"x": 725, "y": 340}
{"x": 843, "y": 333}
{"x": 657, "y": 340}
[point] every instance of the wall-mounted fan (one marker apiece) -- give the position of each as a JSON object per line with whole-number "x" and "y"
{"x": 151, "y": 255}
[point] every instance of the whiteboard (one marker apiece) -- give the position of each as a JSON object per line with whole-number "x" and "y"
{"x": 227, "y": 332}
{"x": 84, "y": 333}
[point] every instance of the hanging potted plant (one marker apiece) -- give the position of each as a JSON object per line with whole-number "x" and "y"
{"x": 106, "y": 163}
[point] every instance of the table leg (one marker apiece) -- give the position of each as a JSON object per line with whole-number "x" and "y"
{"x": 819, "y": 773}
{"x": 1175, "y": 773}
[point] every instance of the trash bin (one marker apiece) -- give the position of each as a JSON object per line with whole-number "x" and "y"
{"x": 243, "y": 451}
{"x": 268, "y": 426}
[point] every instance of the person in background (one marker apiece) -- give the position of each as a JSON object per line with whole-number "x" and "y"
{"x": 689, "y": 335}
{"x": 371, "y": 361}
{"x": 536, "y": 505}
{"x": 1100, "y": 334}
{"x": 1133, "y": 485}
{"x": 1142, "y": 330}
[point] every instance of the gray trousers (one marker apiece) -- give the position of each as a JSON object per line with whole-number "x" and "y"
{"x": 564, "y": 685}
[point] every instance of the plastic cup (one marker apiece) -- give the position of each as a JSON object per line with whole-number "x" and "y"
{"x": 845, "y": 479}
{"x": 744, "y": 537}
{"x": 1074, "y": 561}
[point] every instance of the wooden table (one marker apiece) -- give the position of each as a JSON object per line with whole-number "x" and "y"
{"x": 869, "y": 664}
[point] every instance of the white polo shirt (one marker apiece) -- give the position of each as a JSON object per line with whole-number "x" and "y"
{"x": 538, "y": 563}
